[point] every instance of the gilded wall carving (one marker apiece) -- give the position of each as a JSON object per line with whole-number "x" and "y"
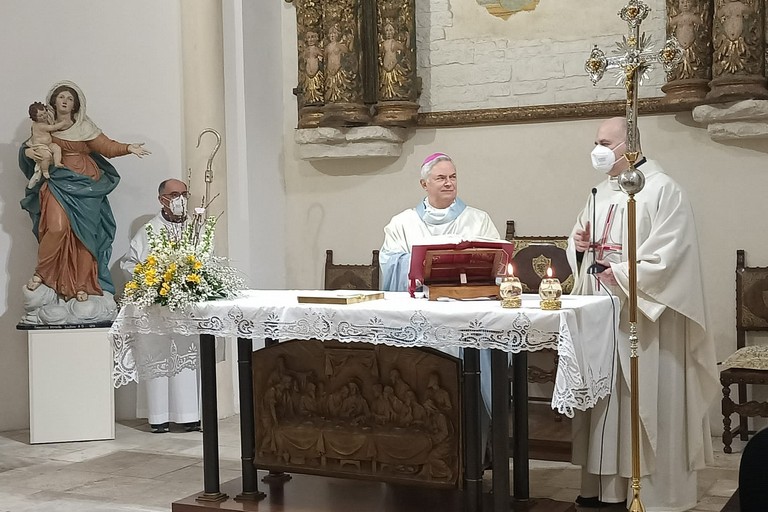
{"x": 356, "y": 57}
{"x": 358, "y": 410}
{"x": 397, "y": 81}
{"x": 310, "y": 92}
{"x": 738, "y": 38}
{"x": 737, "y": 33}
{"x": 690, "y": 21}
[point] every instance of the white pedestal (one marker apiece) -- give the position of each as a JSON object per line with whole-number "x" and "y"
{"x": 71, "y": 397}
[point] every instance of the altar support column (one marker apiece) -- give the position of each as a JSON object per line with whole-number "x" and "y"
{"x": 247, "y": 422}
{"x": 211, "y": 489}
{"x": 500, "y": 428}
{"x": 473, "y": 474}
{"x": 520, "y": 488}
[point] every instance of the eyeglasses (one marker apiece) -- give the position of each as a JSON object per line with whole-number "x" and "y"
{"x": 176, "y": 195}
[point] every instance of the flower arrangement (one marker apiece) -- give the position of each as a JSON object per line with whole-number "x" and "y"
{"x": 181, "y": 268}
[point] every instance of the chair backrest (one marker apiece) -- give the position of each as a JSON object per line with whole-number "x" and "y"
{"x": 751, "y": 298}
{"x": 351, "y": 277}
{"x": 533, "y": 254}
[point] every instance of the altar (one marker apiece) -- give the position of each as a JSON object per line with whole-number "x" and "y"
{"x": 581, "y": 332}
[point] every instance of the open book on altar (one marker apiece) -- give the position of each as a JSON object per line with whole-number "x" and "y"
{"x": 459, "y": 269}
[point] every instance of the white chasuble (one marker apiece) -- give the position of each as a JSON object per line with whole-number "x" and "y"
{"x": 677, "y": 365}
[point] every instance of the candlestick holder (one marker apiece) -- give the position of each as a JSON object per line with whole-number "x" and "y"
{"x": 550, "y": 291}
{"x": 511, "y": 292}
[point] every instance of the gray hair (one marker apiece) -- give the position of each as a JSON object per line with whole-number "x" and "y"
{"x": 427, "y": 167}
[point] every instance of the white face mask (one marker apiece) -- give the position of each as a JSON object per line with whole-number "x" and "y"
{"x": 178, "y": 206}
{"x": 603, "y": 158}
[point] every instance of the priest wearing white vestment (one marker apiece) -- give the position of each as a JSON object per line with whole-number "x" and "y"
{"x": 677, "y": 366}
{"x": 163, "y": 399}
{"x": 440, "y": 218}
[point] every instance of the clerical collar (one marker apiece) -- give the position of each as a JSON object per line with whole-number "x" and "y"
{"x": 614, "y": 181}
{"x": 171, "y": 218}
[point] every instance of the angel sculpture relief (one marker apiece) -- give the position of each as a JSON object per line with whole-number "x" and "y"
{"x": 733, "y": 40}
{"x": 394, "y": 65}
{"x": 340, "y": 70}
{"x": 686, "y": 25}
{"x": 311, "y": 72}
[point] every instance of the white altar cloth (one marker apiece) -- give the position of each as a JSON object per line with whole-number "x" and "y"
{"x": 582, "y": 332}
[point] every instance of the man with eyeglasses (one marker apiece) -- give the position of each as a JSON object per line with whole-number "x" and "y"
{"x": 163, "y": 400}
{"x": 440, "y": 217}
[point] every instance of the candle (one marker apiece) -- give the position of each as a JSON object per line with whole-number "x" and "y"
{"x": 550, "y": 291}
{"x": 510, "y": 290}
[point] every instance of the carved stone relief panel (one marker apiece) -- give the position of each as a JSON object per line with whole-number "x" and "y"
{"x": 358, "y": 411}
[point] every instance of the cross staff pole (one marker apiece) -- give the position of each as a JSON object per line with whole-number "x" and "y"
{"x": 633, "y": 60}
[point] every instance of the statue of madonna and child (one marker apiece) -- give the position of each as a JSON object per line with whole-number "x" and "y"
{"x": 65, "y": 160}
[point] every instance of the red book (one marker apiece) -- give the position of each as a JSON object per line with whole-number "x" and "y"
{"x": 468, "y": 262}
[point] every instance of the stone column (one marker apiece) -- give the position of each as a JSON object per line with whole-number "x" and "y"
{"x": 310, "y": 91}
{"x": 690, "y": 21}
{"x": 203, "y": 103}
{"x": 738, "y": 35}
{"x": 343, "y": 58}
{"x": 397, "y": 84}
{"x": 203, "y": 78}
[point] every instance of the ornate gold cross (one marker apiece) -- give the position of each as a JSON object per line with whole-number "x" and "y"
{"x": 634, "y": 58}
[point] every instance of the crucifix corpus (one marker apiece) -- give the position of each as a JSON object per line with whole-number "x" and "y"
{"x": 633, "y": 60}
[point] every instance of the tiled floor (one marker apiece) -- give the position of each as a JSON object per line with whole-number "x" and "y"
{"x": 140, "y": 471}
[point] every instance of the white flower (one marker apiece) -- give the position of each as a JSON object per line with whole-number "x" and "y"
{"x": 181, "y": 269}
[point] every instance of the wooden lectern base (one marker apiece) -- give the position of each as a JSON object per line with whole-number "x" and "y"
{"x": 307, "y": 493}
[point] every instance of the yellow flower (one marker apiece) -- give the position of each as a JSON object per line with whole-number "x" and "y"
{"x": 138, "y": 269}
{"x": 197, "y": 265}
{"x": 151, "y": 260}
{"x": 193, "y": 278}
{"x": 131, "y": 285}
{"x": 164, "y": 291}
{"x": 191, "y": 259}
{"x": 172, "y": 267}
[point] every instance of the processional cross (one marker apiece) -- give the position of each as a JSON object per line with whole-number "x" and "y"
{"x": 633, "y": 60}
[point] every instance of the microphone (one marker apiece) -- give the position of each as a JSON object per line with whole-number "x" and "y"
{"x": 595, "y": 267}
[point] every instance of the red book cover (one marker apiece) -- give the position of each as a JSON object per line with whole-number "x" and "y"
{"x": 477, "y": 261}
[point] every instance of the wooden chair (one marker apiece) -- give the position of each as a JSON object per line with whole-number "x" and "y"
{"x": 351, "y": 277}
{"x": 531, "y": 257}
{"x": 749, "y": 364}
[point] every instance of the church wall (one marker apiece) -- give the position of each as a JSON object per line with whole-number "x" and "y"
{"x": 538, "y": 174}
{"x": 468, "y": 58}
{"x": 127, "y": 61}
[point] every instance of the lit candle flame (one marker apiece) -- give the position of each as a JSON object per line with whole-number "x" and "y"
{"x": 549, "y": 272}
{"x": 510, "y": 270}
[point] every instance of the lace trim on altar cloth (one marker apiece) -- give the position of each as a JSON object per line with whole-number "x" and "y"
{"x": 748, "y": 358}
{"x": 576, "y": 387}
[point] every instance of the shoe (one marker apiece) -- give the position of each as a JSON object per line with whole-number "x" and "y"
{"x": 593, "y": 502}
{"x": 191, "y": 427}
{"x": 160, "y": 428}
